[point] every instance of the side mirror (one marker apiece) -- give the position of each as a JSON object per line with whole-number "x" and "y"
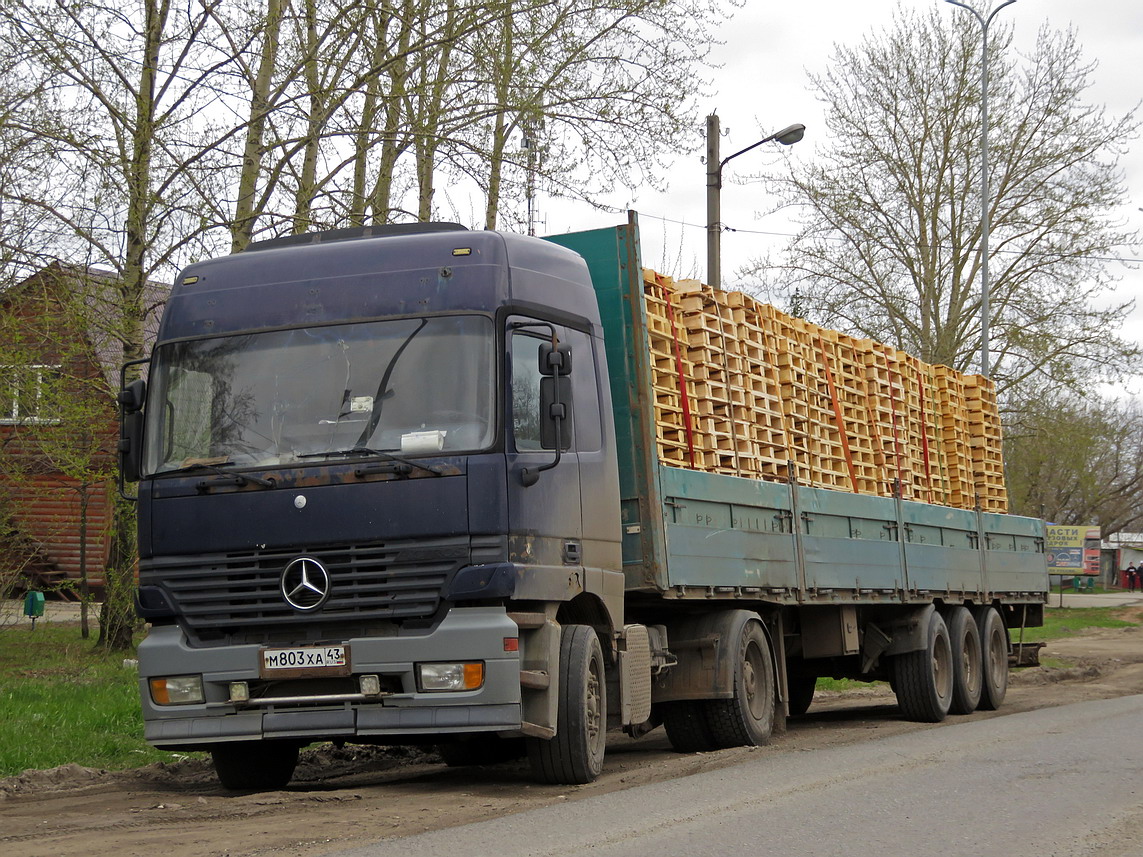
{"x": 555, "y": 361}
{"x": 131, "y": 399}
{"x": 555, "y": 406}
{"x": 555, "y": 412}
{"x": 130, "y": 446}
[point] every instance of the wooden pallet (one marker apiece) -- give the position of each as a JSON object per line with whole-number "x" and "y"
{"x": 744, "y": 388}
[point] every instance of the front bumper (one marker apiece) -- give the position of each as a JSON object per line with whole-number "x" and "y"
{"x": 468, "y": 633}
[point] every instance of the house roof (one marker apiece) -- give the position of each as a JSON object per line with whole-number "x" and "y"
{"x": 97, "y": 290}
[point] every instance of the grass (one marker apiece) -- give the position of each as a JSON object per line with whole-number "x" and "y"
{"x": 840, "y": 685}
{"x": 1069, "y": 621}
{"x": 64, "y": 701}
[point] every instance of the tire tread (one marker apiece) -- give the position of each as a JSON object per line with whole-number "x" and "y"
{"x": 917, "y": 694}
{"x": 562, "y": 760}
{"x": 255, "y": 765}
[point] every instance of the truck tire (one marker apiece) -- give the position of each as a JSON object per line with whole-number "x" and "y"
{"x": 994, "y": 657}
{"x": 255, "y": 766}
{"x": 924, "y": 678}
{"x": 964, "y": 637}
{"x": 686, "y": 724}
{"x": 481, "y": 750}
{"x": 801, "y": 689}
{"x": 575, "y": 755}
{"x": 746, "y": 719}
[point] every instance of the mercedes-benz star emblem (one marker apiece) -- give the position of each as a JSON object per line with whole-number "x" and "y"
{"x": 305, "y": 583}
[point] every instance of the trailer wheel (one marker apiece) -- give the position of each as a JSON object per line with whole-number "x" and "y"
{"x": 686, "y": 724}
{"x": 747, "y": 719}
{"x": 994, "y": 656}
{"x": 801, "y": 690}
{"x": 255, "y": 765}
{"x": 964, "y": 637}
{"x": 575, "y": 755}
{"x": 924, "y": 678}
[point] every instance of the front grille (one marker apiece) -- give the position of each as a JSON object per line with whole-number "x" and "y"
{"x": 237, "y": 596}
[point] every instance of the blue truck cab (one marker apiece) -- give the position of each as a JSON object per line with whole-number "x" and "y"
{"x": 345, "y": 484}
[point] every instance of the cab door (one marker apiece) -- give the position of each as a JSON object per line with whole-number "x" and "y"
{"x": 545, "y": 529}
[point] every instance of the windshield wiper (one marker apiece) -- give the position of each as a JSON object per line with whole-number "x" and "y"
{"x": 362, "y": 451}
{"x": 383, "y": 391}
{"x": 239, "y": 478}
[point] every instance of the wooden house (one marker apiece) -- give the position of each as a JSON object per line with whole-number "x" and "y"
{"x": 59, "y": 369}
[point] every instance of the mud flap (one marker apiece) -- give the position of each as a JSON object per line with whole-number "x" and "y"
{"x": 635, "y": 676}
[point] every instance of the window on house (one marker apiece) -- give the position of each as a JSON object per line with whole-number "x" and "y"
{"x": 25, "y": 394}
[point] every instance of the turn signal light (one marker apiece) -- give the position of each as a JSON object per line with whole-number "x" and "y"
{"x": 450, "y": 677}
{"x": 177, "y": 690}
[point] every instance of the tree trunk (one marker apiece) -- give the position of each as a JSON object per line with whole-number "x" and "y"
{"x": 245, "y": 215}
{"x": 116, "y": 617}
{"x": 430, "y": 114}
{"x": 367, "y": 124}
{"x": 392, "y": 142}
{"x": 84, "y": 590}
{"x": 502, "y": 76}
{"x": 315, "y": 122}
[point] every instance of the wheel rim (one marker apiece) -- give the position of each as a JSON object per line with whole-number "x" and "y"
{"x": 593, "y": 706}
{"x": 752, "y": 668}
{"x": 995, "y": 653}
{"x": 971, "y": 654}
{"x": 942, "y": 669}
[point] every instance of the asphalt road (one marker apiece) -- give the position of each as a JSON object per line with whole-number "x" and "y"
{"x": 1058, "y": 782}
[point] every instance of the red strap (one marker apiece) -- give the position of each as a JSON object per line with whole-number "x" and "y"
{"x": 925, "y": 438}
{"x": 893, "y": 410}
{"x": 838, "y": 414}
{"x": 687, "y": 426}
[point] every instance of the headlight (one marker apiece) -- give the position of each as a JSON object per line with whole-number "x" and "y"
{"x": 445, "y": 677}
{"x": 177, "y": 690}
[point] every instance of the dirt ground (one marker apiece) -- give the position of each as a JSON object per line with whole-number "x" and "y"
{"x": 340, "y": 798}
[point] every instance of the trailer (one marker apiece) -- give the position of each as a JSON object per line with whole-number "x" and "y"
{"x": 408, "y": 485}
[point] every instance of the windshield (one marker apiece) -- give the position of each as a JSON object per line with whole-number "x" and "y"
{"x": 409, "y": 386}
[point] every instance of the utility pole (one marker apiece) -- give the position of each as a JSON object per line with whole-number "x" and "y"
{"x": 786, "y": 137}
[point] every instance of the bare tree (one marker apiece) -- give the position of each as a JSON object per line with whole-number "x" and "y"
{"x": 137, "y": 76}
{"x": 602, "y": 88}
{"x": 1078, "y": 461}
{"x": 890, "y": 242}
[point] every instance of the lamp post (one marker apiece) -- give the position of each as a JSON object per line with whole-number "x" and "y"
{"x": 984, "y": 284}
{"x": 714, "y": 165}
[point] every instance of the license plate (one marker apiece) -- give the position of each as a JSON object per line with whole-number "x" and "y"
{"x": 305, "y": 661}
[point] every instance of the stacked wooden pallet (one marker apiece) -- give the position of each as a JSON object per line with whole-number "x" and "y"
{"x": 745, "y": 389}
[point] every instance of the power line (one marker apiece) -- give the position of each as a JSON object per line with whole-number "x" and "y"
{"x": 642, "y": 214}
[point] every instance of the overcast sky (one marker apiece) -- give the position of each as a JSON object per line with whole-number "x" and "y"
{"x": 769, "y": 49}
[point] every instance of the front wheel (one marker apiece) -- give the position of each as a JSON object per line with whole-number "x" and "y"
{"x": 255, "y": 766}
{"x": 575, "y": 755}
{"x": 480, "y": 750}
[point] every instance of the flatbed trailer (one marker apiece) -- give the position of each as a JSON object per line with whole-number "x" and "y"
{"x": 403, "y": 487}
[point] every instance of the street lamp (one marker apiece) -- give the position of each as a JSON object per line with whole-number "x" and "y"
{"x": 984, "y": 22}
{"x": 786, "y": 137}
